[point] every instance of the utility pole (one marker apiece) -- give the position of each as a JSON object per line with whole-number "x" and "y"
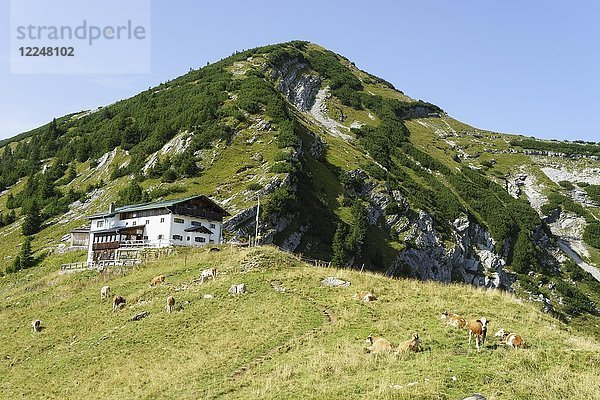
{"x": 257, "y": 212}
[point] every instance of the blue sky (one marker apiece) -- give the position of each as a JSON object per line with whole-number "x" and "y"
{"x": 513, "y": 66}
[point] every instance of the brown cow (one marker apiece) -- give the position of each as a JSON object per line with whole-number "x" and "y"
{"x": 170, "y": 304}
{"x": 378, "y": 344}
{"x": 118, "y": 302}
{"x": 410, "y": 345}
{"x": 454, "y": 320}
{"x": 512, "y": 339}
{"x": 157, "y": 280}
{"x": 365, "y": 296}
{"x": 478, "y": 329}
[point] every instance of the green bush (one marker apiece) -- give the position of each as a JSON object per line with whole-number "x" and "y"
{"x": 594, "y": 192}
{"x": 282, "y": 168}
{"x": 575, "y": 302}
{"x": 169, "y": 176}
{"x": 279, "y": 201}
{"x": 165, "y": 191}
{"x": 591, "y": 235}
{"x": 567, "y": 185}
{"x": 286, "y": 137}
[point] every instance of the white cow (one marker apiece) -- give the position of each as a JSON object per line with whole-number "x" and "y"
{"x": 105, "y": 292}
{"x": 210, "y": 273}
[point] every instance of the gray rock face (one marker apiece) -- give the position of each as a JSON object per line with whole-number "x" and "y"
{"x": 470, "y": 258}
{"x": 292, "y": 242}
{"x": 237, "y": 222}
{"x": 297, "y": 83}
{"x": 513, "y": 184}
{"x": 332, "y": 281}
{"x": 318, "y": 147}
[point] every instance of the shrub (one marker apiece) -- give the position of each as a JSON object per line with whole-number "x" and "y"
{"x": 594, "y": 192}
{"x": 282, "y": 168}
{"x": 567, "y": 185}
{"x": 591, "y": 235}
{"x": 280, "y": 200}
{"x": 286, "y": 136}
{"x": 169, "y": 176}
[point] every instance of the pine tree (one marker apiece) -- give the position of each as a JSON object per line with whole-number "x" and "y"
{"x": 15, "y": 266}
{"x": 46, "y": 188}
{"x": 11, "y": 202}
{"x": 33, "y": 220}
{"x": 340, "y": 256}
{"x": 26, "y": 255}
{"x": 71, "y": 172}
{"x": 358, "y": 231}
{"x": 10, "y": 217}
{"x": 133, "y": 194}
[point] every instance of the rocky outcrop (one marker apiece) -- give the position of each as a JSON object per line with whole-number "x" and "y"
{"x": 238, "y": 222}
{"x": 318, "y": 147}
{"x": 292, "y": 242}
{"x": 587, "y": 175}
{"x": 471, "y": 257}
{"x": 297, "y": 83}
{"x": 319, "y": 113}
{"x": 514, "y": 183}
{"x": 420, "y": 112}
{"x": 569, "y": 227}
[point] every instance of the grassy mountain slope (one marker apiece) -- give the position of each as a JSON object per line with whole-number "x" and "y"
{"x": 305, "y": 342}
{"x": 348, "y": 168}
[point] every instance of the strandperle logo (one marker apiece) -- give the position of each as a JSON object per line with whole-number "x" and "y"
{"x": 75, "y": 37}
{"x": 85, "y": 32}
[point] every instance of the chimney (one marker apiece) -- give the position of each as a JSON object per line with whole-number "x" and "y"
{"x": 111, "y": 208}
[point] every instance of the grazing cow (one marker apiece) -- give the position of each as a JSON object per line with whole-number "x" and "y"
{"x": 378, "y": 344}
{"x": 36, "y": 326}
{"x": 170, "y": 304}
{"x": 210, "y": 273}
{"x": 104, "y": 292}
{"x": 511, "y": 339}
{"x": 410, "y": 345}
{"x": 365, "y": 296}
{"x": 478, "y": 329}
{"x": 157, "y": 280}
{"x": 454, "y": 320}
{"x": 118, "y": 302}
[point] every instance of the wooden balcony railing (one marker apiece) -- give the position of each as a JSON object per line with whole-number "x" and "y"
{"x": 197, "y": 213}
{"x": 106, "y": 246}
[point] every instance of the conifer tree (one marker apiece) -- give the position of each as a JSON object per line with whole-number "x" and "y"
{"x": 33, "y": 220}
{"x": 26, "y": 255}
